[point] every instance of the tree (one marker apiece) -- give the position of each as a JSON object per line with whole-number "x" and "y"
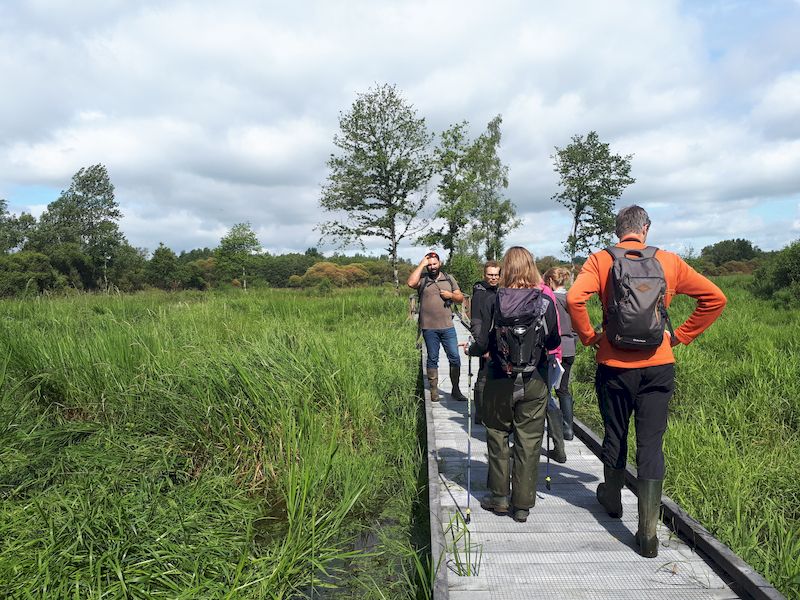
{"x": 779, "y": 277}
{"x": 27, "y": 272}
{"x": 85, "y": 214}
{"x": 6, "y": 235}
{"x": 728, "y": 250}
{"x": 475, "y": 214}
{"x": 235, "y": 251}
{"x": 591, "y": 180}
{"x": 494, "y": 216}
{"x": 14, "y": 230}
{"x": 163, "y": 270}
{"x": 378, "y": 181}
{"x": 456, "y": 189}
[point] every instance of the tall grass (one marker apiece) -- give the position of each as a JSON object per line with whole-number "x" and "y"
{"x": 733, "y": 443}
{"x": 200, "y": 445}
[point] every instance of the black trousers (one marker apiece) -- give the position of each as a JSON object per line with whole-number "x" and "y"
{"x": 645, "y": 393}
{"x": 563, "y": 388}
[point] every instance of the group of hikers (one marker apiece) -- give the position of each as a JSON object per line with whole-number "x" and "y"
{"x": 524, "y": 328}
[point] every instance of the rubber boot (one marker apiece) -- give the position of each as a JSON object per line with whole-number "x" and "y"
{"x": 566, "y": 409}
{"x": 455, "y": 375}
{"x": 556, "y": 432}
{"x": 433, "y": 382}
{"x": 649, "y": 508}
{"x": 609, "y": 494}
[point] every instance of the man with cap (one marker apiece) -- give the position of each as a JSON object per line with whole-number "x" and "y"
{"x": 437, "y": 292}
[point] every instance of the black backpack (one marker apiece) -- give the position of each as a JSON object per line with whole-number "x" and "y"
{"x": 519, "y": 328}
{"x": 635, "y": 315}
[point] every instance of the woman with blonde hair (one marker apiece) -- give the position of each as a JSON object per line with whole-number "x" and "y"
{"x": 523, "y": 310}
{"x": 559, "y": 279}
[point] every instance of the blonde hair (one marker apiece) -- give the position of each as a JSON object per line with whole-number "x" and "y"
{"x": 556, "y": 277}
{"x": 519, "y": 269}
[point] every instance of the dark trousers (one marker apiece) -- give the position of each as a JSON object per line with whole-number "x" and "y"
{"x": 504, "y": 412}
{"x": 645, "y": 393}
{"x": 563, "y": 388}
{"x": 480, "y": 384}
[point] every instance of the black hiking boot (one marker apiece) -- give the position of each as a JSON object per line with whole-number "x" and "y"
{"x": 609, "y": 494}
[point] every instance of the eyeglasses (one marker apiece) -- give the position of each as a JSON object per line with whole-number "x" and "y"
{"x": 493, "y": 275}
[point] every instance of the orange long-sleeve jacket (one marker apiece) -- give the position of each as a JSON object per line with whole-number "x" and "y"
{"x": 681, "y": 279}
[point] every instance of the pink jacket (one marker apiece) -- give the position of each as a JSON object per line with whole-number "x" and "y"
{"x": 549, "y": 293}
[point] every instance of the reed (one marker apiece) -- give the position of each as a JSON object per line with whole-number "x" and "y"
{"x": 208, "y": 445}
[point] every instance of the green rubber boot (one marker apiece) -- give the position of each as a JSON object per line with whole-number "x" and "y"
{"x": 609, "y": 493}
{"x": 649, "y": 509}
{"x": 433, "y": 382}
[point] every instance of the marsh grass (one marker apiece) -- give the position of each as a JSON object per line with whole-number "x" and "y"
{"x": 733, "y": 443}
{"x": 208, "y": 445}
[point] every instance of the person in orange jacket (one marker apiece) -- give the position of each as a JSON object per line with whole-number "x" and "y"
{"x": 639, "y": 381}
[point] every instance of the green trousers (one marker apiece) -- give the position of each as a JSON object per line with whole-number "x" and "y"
{"x": 524, "y": 414}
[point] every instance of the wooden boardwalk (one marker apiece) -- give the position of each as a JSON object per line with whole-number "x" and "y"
{"x": 569, "y": 548}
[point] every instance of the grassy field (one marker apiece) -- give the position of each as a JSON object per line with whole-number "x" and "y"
{"x": 260, "y": 445}
{"x": 733, "y": 443}
{"x": 266, "y": 445}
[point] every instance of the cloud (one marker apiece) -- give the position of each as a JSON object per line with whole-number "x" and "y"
{"x": 207, "y": 115}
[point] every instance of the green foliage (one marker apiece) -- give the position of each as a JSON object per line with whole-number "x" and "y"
{"x": 85, "y": 215}
{"x": 779, "y": 277}
{"x": 729, "y": 250}
{"x": 476, "y": 218}
{"x": 163, "y": 270}
{"x": 456, "y": 166}
{"x": 74, "y": 264}
{"x": 494, "y": 217}
{"x": 548, "y": 262}
{"x": 27, "y": 272}
{"x": 127, "y": 271}
{"x": 207, "y": 445}
{"x": 235, "y": 252}
{"x": 378, "y": 179}
{"x": 591, "y": 179}
{"x": 466, "y": 269}
{"x": 277, "y": 270}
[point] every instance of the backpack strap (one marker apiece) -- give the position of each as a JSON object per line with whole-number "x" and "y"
{"x": 646, "y": 252}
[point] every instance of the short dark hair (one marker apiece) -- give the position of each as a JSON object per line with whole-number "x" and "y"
{"x": 631, "y": 219}
{"x": 490, "y": 263}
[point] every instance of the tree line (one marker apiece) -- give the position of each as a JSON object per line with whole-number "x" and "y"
{"x": 76, "y": 244}
{"x": 380, "y": 185}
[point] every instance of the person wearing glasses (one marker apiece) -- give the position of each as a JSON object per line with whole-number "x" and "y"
{"x": 483, "y": 295}
{"x": 438, "y": 291}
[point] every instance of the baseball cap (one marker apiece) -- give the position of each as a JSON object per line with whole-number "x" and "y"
{"x": 432, "y": 253}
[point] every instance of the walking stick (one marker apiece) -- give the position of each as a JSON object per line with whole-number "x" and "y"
{"x": 547, "y": 476}
{"x": 469, "y": 434}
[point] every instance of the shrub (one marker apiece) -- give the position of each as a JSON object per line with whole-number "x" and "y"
{"x": 779, "y": 277}
{"x": 466, "y": 270}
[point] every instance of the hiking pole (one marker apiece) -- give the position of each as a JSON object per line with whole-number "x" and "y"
{"x": 470, "y": 392}
{"x": 547, "y": 476}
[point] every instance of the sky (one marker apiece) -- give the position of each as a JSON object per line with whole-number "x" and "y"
{"x": 208, "y": 114}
